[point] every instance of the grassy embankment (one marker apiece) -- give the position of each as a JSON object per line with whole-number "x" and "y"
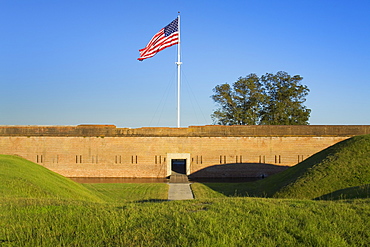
{"x": 21, "y": 178}
{"x": 327, "y": 174}
{"x": 59, "y": 212}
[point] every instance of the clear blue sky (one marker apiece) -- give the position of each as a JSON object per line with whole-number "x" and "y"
{"x": 67, "y": 62}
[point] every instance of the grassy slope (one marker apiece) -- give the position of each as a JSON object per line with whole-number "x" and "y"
{"x": 21, "y": 178}
{"x": 362, "y": 191}
{"x": 343, "y": 165}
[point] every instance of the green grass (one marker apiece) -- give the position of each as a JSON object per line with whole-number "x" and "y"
{"x": 209, "y": 190}
{"x": 362, "y": 191}
{"x": 21, "y": 178}
{"x": 343, "y": 165}
{"x": 212, "y": 222}
{"x": 119, "y": 193}
{"x": 346, "y": 164}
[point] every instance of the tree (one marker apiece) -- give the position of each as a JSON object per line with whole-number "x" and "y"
{"x": 285, "y": 98}
{"x": 271, "y": 99}
{"x": 241, "y": 104}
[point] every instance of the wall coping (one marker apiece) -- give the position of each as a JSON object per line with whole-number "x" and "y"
{"x": 87, "y": 130}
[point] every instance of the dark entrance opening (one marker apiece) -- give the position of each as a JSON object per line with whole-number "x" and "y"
{"x": 178, "y": 166}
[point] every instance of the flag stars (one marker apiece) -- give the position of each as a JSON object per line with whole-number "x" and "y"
{"x": 171, "y": 28}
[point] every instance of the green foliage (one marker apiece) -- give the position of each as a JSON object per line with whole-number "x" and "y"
{"x": 240, "y": 105}
{"x": 269, "y": 99}
{"x": 284, "y": 100}
{"x": 24, "y": 179}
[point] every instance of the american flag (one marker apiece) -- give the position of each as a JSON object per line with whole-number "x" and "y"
{"x": 166, "y": 37}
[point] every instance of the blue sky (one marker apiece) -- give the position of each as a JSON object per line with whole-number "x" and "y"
{"x": 75, "y": 62}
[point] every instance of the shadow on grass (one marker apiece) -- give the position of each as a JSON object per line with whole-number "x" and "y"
{"x": 356, "y": 192}
{"x": 237, "y": 179}
{"x": 151, "y": 200}
{"x": 244, "y": 189}
{"x": 5, "y": 241}
{"x": 143, "y": 201}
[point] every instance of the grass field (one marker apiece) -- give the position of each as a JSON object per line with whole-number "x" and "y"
{"x": 119, "y": 193}
{"x": 212, "y": 222}
{"x": 41, "y": 208}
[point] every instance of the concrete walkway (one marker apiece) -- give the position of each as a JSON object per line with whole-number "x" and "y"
{"x": 180, "y": 192}
{"x": 179, "y": 188}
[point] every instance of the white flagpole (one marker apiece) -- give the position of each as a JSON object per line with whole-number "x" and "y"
{"x": 178, "y": 75}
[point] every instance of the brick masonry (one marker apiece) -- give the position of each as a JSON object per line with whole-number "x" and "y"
{"x": 213, "y": 151}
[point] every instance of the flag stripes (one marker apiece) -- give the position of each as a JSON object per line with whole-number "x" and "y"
{"x": 166, "y": 37}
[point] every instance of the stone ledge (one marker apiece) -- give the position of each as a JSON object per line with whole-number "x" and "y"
{"x": 101, "y": 131}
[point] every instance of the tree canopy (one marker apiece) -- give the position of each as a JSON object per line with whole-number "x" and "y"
{"x": 267, "y": 100}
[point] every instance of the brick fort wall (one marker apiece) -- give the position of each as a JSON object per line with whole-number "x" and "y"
{"x": 215, "y": 151}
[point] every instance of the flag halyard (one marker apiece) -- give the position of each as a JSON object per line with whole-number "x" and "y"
{"x": 166, "y": 37}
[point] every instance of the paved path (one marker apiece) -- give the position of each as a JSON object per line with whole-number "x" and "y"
{"x": 179, "y": 188}
{"x": 180, "y": 192}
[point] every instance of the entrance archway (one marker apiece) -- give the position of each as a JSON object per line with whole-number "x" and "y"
{"x": 178, "y": 163}
{"x": 178, "y": 166}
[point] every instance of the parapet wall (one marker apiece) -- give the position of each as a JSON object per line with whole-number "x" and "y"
{"x": 192, "y": 131}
